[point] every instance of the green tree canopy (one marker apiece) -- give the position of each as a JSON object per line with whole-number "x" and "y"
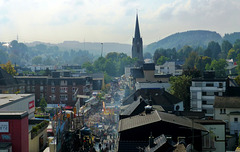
{"x": 180, "y": 87}
{"x": 88, "y": 66}
{"x": 9, "y": 68}
{"x": 213, "y": 50}
{"x": 147, "y": 55}
{"x": 191, "y": 60}
{"x": 238, "y": 63}
{"x": 226, "y": 46}
{"x": 201, "y": 62}
{"x": 237, "y": 79}
{"x": 184, "y": 52}
{"x": 43, "y": 104}
{"x": 162, "y": 60}
{"x": 37, "y": 60}
{"x": 219, "y": 67}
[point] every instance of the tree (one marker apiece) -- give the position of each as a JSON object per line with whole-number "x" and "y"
{"x": 237, "y": 79}
{"x": 9, "y": 68}
{"x": 180, "y": 87}
{"x": 3, "y": 57}
{"x": 43, "y": 104}
{"x": 169, "y": 53}
{"x": 238, "y": 63}
{"x": 213, "y": 50}
{"x": 88, "y": 66}
{"x": 191, "y": 60}
{"x": 110, "y": 67}
{"x": 219, "y": 67}
{"x": 184, "y": 52}
{"x": 162, "y": 60}
{"x": 194, "y": 73}
{"x": 226, "y": 46}
{"x": 201, "y": 62}
{"x": 37, "y": 60}
{"x": 147, "y": 55}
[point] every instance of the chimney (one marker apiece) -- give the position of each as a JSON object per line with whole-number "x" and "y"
{"x": 151, "y": 141}
{"x": 148, "y": 109}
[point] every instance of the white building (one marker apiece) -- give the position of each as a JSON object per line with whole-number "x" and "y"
{"x": 204, "y": 90}
{"x": 152, "y": 85}
{"x": 18, "y": 102}
{"x": 168, "y": 68}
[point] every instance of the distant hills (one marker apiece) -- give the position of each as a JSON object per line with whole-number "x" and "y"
{"x": 93, "y": 47}
{"x": 177, "y": 40}
{"x": 191, "y": 38}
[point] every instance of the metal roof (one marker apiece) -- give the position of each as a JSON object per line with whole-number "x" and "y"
{"x": 156, "y": 116}
{"x": 226, "y": 102}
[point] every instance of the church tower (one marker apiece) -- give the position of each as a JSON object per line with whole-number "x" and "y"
{"x": 137, "y": 45}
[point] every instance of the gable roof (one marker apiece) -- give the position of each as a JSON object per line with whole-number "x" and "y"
{"x": 158, "y": 97}
{"x": 226, "y": 102}
{"x": 135, "y": 108}
{"x": 156, "y": 116}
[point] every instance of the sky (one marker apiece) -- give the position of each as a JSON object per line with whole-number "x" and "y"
{"x": 55, "y": 21}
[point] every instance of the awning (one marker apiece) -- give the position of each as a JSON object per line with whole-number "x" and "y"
{"x": 68, "y": 107}
{"x": 82, "y": 96}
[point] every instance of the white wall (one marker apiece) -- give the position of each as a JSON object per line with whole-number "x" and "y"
{"x": 22, "y": 105}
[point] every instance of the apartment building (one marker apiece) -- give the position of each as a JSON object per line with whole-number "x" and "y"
{"x": 57, "y": 89}
{"x": 204, "y": 90}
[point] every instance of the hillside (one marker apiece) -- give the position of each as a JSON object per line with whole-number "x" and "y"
{"x": 93, "y": 47}
{"x": 178, "y": 40}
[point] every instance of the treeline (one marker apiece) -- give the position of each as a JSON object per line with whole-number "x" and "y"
{"x": 197, "y": 38}
{"x": 213, "y": 57}
{"x": 40, "y": 54}
{"x": 113, "y": 64}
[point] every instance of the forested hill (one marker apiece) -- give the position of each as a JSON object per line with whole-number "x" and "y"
{"x": 92, "y": 47}
{"x": 191, "y": 38}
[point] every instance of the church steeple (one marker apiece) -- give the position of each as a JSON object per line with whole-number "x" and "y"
{"x": 137, "y": 44}
{"x": 137, "y": 31}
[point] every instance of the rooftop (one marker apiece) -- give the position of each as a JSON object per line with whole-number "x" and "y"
{"x": 11, "y": 98}
{"x": 13, "y": 114}
{"x": 156, "y": 116}
{"x": 226, "y": 102}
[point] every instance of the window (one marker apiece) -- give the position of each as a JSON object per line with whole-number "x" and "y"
{"x": 63, "y": 90}
{"x": 63, "y": 97}
{"x": 204, "y": 93}
{"x": 204, "y": 111}
{"x": 53, "y": 89}
{"x": 209, "y": 85}
{"x": 235, "y": 120}
{"x": 220, "y": 85}
{"x": 33, "y": 88}
{"x": 52, "y": 97}
{"x": 216, "y": 93}
{"x": 198, "y": 84}
{"x": 41, "y": 88}
{"x": 222, "y": 111}
{"x": 194, "y": 95}
{"x": 204, "y": 102}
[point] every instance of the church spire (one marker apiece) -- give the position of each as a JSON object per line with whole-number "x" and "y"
{"x": 137, "y": 45}
{"x": 137, "y": 31}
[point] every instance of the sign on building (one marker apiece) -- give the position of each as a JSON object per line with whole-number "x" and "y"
{"x": 4, "y": 127}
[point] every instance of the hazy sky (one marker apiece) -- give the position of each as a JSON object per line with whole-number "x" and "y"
{"x": 113, "y": 20}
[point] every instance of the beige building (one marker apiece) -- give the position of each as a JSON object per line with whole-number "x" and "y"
{"x": 228, "y": 110}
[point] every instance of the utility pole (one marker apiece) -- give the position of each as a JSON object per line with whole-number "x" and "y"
{"x": 102, "y": 49}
